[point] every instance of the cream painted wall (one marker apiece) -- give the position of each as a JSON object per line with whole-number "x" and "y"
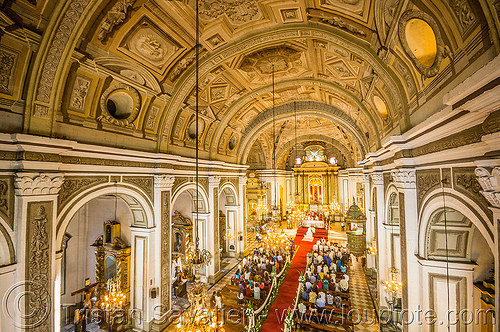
{"x": 8, "y": 278}
{"x": 481, "y": 254}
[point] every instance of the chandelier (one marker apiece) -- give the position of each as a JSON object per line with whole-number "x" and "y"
{"x": 372, "y": 250}
{"x": 114, "y": 298}
{"x": 197, "y": 317}
{"x": 275, "y": 240}
{"x": 393, "y": 286}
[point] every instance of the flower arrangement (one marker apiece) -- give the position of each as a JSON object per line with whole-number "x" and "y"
{"x": 289, "y": 322}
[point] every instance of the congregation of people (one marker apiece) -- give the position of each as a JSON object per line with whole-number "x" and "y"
{"x": 327, "y": 281}
{"x": 254, "y": 273}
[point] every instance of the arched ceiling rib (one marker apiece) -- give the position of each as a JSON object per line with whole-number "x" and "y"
{"x": 350, "y": 55}
{"x": 303, "y": 108}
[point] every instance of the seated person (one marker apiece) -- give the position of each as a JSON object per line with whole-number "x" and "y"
{"x": 344, "y": 285}
{"x": 302, "y": 309}
{"x": 241, "y": 298}
{"x": 312, "y": 297}
{"x": 308, "y": 286}
{"x": 305, "y": 296}
{"x": 329, "y": 299}
{"x": 320, "y": 303}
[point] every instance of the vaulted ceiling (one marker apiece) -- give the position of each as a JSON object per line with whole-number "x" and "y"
{"x": 121, "y": 72}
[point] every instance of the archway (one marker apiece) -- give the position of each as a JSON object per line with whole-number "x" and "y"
{"x": 81, "y": 230}
{"x": 228, "y": 222}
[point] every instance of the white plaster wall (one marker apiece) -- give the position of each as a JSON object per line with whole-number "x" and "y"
{"x": 8, "y": 278}
{"x": 482, "y": 256}
{"x": 184, "y": 205}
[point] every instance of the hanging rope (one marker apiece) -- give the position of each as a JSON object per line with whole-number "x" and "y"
{"x": 443, "y": 182}
{"x": 275, "y": 207}
{"x": 197, "y": 70}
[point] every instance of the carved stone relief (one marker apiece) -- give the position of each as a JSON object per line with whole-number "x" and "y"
{"x": 8, "y": 60}
{"x": 165, "y": 251}
{"x": 181, "y": 66}
{"x": 335, "y": 21}
{"x": 7, "y": 199}
{"x": 464, "y": 13}
{"x": 38, "y": 185}
{"x": 465, "y": 181}
{"x": 38, "y": 263}
{"x": 114, "y": 17}
{"x": 238, "y": 11}
{"x": 427, "y": 180}
{"x": 152, "y": 115}
{"x": 79, "y": 94}
{"x": 143, "y": 182}
{"x": 407, "y": 77}
{"x": 72, "y": 186}
{"x": 151, "y": 44}
{"x": 490, "y": 183}
{"x": 57, "y": 46}
{"x": 41, "y": 111}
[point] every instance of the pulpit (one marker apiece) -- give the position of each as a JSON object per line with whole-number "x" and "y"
{"x": 356, "y": 230}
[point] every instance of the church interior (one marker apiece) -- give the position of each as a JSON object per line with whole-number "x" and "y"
{"x": 249, "y": 165}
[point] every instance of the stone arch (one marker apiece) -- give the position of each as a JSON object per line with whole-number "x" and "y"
{"x": 190, "y": 188}
{"x": 6, "y": 244}
{"x": 457, "y": 201}
{"x": 229, "y": 189}
{"x": 303, "y": 108}
{"x": 139, "y": 205}
{"x": 254, "y": 42}
{"x": 313, "y": 137}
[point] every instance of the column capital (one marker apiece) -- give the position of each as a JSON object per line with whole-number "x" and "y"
{"x": 377, "y": 178}
{"x": 404, "y": 177}
{"x": 164, "y": 181}
{"x": 490, "y": 182}
{"x": 243, "y": 179}
{"x": 28, "y": 184}
{"x": 213, "y": 180}
{"x": 366, "y": 177}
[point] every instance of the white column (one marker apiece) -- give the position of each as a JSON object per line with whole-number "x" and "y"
{"x": 382, "y": 248}
{"x": 405, "y": 180}
{"x": 160, "y": 242}
{"x": 490, "y": 183}
{"x": 213, "y": 238}
{"x": 36, "y": 205}
{"x": 242, "y": 213}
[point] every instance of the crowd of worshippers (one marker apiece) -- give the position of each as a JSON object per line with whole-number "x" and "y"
{"x": 254, "y": 273}
{"x": 326, "y": 276}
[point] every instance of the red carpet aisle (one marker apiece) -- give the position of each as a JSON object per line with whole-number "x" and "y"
{"x": 288, "y": 290}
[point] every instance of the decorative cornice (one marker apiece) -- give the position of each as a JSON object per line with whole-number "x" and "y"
{"x": 243, "y": 179}
{"x": 41, "y": 184}
{"x": 164, "y": 181}
{"x": 490, "y": 182}
{"x": 404, "y": 177}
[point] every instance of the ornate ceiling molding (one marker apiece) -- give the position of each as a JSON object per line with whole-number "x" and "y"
{"x": 254, "y": 42}
{"x": 302, "y": 108}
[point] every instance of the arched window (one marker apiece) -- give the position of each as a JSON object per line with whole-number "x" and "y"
{"x": 393, "y": 210}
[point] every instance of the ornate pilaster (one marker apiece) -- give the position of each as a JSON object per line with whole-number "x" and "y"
{"x": 162, "y": 195}
{"x": 213, "y": 193}
{"x": 36, "y": 195}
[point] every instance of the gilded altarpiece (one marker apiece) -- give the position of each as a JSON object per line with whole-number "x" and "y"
{"x": 38, "y": 266}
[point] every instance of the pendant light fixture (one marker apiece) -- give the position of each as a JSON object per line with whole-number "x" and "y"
{"x": 195, "y": 257}
{"x": 275, "y": 208}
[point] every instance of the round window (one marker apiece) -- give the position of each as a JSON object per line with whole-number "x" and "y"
{"x": 120, "y": 105}
{"x": 232, "y": 143}
{"x": 421, "y": 41}
{"x": 192, "y": 129}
